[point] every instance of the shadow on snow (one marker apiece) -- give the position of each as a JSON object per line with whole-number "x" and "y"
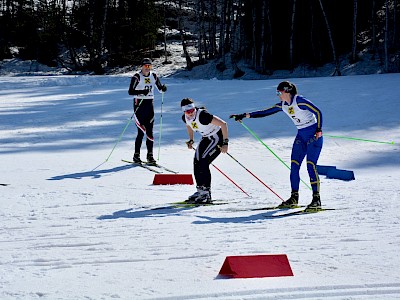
{"x": 93, "y": 174}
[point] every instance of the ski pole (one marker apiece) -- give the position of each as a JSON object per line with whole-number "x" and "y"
{"x": 129, "y": 122}
{"x": 159, "y": 138}
{"x": 120, "y": 137}
{"x": 254, "y": 175}
{"x": 358, "y": 139}
{"x": 227, "y": 177}
{"x": 253, "y": 134}
{"x": 230, "y": 179}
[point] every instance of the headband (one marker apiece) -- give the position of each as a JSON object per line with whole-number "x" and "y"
{"x": 187, "y": 107}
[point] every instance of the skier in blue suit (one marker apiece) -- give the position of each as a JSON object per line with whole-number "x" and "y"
{"x": 308, "y": 142}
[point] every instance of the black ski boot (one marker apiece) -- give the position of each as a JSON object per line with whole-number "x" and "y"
{"x": 191, "y": 198}
{"x": 202, "y": 195}
{"x": 150, "y": 159}
{"x": 291, "y": 202}
{"x": 315, "y": 203}
{"x": 136, "y": 158}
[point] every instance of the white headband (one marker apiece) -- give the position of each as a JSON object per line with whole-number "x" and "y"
{"x": 187, "y": 107}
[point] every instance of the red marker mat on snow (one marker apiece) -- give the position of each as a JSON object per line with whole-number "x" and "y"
{"x": 271, "y": 265}
{"x": 160, "y": 179}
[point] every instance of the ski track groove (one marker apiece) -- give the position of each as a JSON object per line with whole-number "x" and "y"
{"x": 319, "y": 292}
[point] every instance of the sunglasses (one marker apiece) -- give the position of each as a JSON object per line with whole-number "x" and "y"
{"x": 190, "y": 111}
{"x": 278, "y": 93}
{"x": 147, "y": 66}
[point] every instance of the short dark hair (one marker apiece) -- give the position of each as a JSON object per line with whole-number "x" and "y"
{"x": 288, "y": 87}
{"x": 186, "y": 101}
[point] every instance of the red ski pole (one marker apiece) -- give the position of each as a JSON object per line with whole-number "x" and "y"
{"x": 230, "y": 179}
{"x": 227, "y": 177}
{"x": 254, "y": 176}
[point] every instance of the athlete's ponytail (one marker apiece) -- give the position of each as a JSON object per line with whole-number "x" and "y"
{"x": 288, "y": 87}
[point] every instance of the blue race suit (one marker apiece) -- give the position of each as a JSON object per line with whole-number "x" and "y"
{"x": 307, "y": 118}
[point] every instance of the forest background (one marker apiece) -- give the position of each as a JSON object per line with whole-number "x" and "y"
{"x": 101, "y": 36}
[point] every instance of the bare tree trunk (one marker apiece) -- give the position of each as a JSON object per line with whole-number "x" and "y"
{"x": 165, "y": 37}
{"x": 337, "y": 65}
{"x": 262, "y": 37}
{"x": 313, "y": 47}
{"x": 395, "y": 41}
{"x": 189, "y": 63}
{"x": 254, "y": 47}
{"x": 228, "y": 25}
{"x": 91, "y": 32}
{"x": 103, "y": 27}
{"x": 269, "y": 66}
{"x": 222, "y": 33}
{"x": 386, "y": 36}
{"x": 354, "y": 46}
{"x": 291, "y": 36}
{"x": 234, "y": 41}
{"x": 199, "y": 25}
{"x": 373, "y": 29}
{"x": 213, "y": 28}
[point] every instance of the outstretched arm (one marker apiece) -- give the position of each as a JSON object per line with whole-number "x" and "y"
{"x": 258, "y": 114}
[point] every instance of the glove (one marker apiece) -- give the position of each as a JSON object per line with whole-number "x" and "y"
{"x": 238, "y": 117}
{"x": 189, "y": 143}
{"x": 164, "y": 88}
{"x": 144, "y": 92}
{"x": 318, "y": 133}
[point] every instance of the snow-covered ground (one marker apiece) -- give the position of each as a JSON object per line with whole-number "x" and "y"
{"x": 75, "y": 226}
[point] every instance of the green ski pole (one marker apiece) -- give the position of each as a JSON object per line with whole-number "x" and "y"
{"x": 253, "y": 134}
{"x": 120, "y": 137}
{"x": 358, "y": 139}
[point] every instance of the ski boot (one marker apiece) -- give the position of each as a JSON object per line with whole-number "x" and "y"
{"x": 136, "y": 158}
{"x": 315, "y": 202}
{"x": 194, "y": 196}
{"x": 150, "y": 159}
{"x": 202, "y": 195}
{"x": 291, "y": 202}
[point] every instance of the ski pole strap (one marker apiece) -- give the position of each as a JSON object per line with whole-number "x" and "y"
{"x": 253, "y": 134}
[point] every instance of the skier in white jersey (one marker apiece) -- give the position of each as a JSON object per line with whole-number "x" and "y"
{"x": 142, "y": 88}
{"x": 214, "y": 132}
{"x": 308, "y": 142}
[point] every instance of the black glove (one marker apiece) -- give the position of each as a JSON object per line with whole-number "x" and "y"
{"x": 164, "y": 88}
{"x": 238, "y": 117}
{"x": 189, "y": 143}
{"x": 144, "y": 92}
{"x": 318, "y": 133}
